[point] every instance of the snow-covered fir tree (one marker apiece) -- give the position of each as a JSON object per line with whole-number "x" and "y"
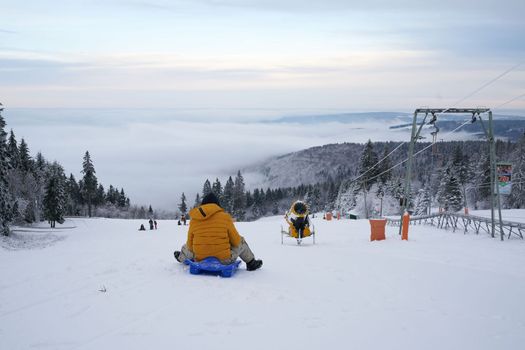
{"x": 450, "y": 196}
{"x": 516, "y": 199}
{"x": 55, "y": 195}
{"x": 227, "y": 202}
{"x": 383, "y": 168}
{"x": 461, "y": 169}
{"x": 423, "y": 201}
{"x": 239, "y": 197}
{"x": 89, "y": 182}
{"x": 182, "y": 205}
{"x": 206, "y": 188}
{"x": 6, "y": 210}
{"x": 26, "y": 162}
{"x": 12, "y": 149}
{"x": 217, "y": 189}
{"x": 258, "y": 204}
{"x": 368, "y": 167}
{"x": 73, "y": 196}
{"x": 197, "y": 201}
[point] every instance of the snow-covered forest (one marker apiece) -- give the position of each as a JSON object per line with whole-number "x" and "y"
{"x": 33, "y": 189}
{"x": 449, "y": 175}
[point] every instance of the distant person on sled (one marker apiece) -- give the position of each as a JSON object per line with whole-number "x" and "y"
{"x": 297, "y": 219}
{"x": 213, "y": 234}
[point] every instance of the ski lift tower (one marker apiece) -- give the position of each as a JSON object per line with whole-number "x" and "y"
{"x": 476, "y": 114}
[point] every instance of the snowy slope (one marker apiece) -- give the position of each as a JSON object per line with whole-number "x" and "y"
{"x": 439, "y": 290}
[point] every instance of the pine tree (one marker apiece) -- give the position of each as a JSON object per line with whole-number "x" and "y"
{"x": 422, "y": 201}
{"x": 217, "y": 189}
{"x": 40, "y": 162}
{"x": 257, "y": 208}
{"x": 40, "y": 168}
{"x": 315, "y": 199}
{"x": 483, "y": 178}
{"x": 366, "y": 171}
{"x": 29, "y": 212}
{"x": 122, "y": 199}
{"x": 462, "y": 171}
{"x": 227, "y": 203}
{"x": 100, "y": 196}
{"x": 249, "y": 199}
{"x": 383, "y": 169}
{"x": 239, "y": 197}
{"x": 449, "y": 195}
{"x": 150, "y": 211}
{"x": 142, "y": 213}
{"x": 26, "y": 163}
{"x": 89, "y": 181}
{"x": 111, "y": 195}
{"x": 182, "y": 205}
{"x": 516, "y": 198}
{"x": 197, "y": 201}
{"x": 206, "y": 188}
{"x": 12, "y": 150}
{"x": 73, "y": 196}
{"x": 6, "y": 211}
{"x": 55, "y": 196}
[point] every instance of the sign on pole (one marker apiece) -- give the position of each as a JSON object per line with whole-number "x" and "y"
{"x": 504, "y": 173}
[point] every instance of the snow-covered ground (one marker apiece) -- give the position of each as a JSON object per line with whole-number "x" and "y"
{"x": 440, "y": 290}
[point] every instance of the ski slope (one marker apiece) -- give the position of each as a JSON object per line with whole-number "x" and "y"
{"x": 102, "y": 284}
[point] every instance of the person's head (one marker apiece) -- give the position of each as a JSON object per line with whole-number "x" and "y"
{"x": 210, "y": 198}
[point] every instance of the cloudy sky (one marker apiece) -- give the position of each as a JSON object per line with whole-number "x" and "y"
{"x": 194, "y": 73}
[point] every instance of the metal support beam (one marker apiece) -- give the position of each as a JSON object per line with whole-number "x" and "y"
{"x": 495, "y": 188}
{"x": 495, "y": 196}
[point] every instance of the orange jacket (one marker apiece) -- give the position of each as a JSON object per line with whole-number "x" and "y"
{"x": 211, "y": 232}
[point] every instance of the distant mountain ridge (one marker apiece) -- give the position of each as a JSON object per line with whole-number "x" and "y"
{"x": 317, "y": 164}
{"x": 346, "y": 118}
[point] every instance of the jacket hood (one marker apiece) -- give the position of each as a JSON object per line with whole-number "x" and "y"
{"x": 205, "y": 211}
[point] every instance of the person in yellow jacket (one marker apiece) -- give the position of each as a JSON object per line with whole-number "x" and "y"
{"x": 297, "y": 219}
{"x": 212, "y": 233}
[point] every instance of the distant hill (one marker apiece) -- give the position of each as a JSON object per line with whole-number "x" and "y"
{"x": 347, "y": 118}
{"x": 317, "y": 164}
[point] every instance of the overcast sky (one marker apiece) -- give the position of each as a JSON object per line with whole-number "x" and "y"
{"x": 234, "y": 61}
{"x": 374, "y": 54}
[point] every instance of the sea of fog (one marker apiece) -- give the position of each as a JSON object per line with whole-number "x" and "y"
{"x": 158, "y": 154}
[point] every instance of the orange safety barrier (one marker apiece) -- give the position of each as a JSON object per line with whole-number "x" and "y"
{"x": 404, "y": 231}
{"x": 377, "y": 229}
{"x": 328, "y": 216}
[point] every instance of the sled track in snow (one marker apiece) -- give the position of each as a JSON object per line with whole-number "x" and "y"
{"x": 467, "y": 223}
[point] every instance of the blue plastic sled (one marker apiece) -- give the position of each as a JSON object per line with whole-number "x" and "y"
{"x": 213, "y": 266}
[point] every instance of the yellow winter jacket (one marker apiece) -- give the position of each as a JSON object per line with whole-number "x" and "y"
{"x": 211, "y": 232}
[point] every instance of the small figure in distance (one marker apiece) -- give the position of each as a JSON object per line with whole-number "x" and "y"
{"x": 142, "y": 228}
{"x": 183, "y": 219}
{"x": 155, "y": 223}
{"x": 150, "y": 224}
{"x": 213, "y": 234}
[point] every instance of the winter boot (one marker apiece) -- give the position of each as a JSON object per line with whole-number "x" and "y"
{"x": 253, "y": 265}
{"x": 176, "y": 254}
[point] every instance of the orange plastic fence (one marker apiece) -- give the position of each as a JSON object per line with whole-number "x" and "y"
{"x": 406, "y": 223}
{"x": 377, "y": 229}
